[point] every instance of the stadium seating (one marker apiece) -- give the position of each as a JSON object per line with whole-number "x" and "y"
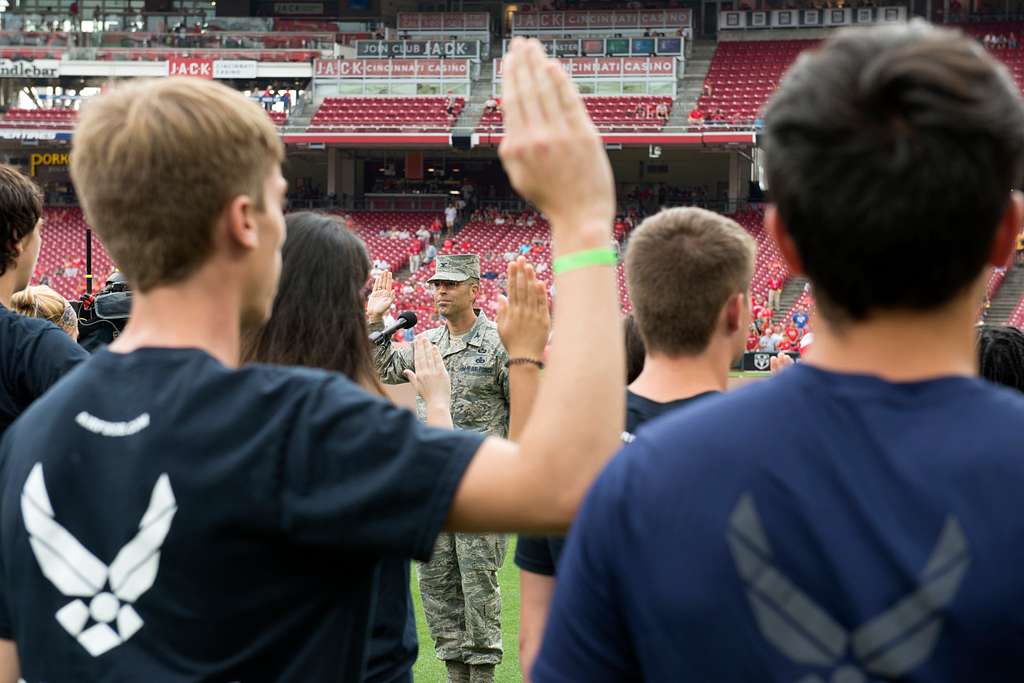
{"x": 64, "y": 119}
{"x": 612, "y": 113}
{"x": 1017, "y": 317}
{"x": 395, "y": 250}
{"x": 39, "y": 118}
{"x": 492, "y": 242}
{"x": 384, "y": 114}
{"x": 62, "y": 254}
{"x": 768, "y": 254}
{"x": 744, "y": 74}
{"x": 1013, "y": 58}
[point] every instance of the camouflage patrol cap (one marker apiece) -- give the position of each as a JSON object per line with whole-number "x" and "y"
{"x": 457, "y": 268}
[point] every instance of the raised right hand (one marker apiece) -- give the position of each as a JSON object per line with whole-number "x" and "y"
{"x": 381, "y": 297}
{"x": 524, "y": 321}
{"x": 551, "y": 150}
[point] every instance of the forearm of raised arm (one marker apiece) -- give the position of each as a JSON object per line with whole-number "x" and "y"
{"x": 439, "y": 416}
{"x": 524, "y": 382}
{"x": 579, "y": 412}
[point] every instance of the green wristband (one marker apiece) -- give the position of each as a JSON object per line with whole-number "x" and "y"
{"x": 602, "y": 256}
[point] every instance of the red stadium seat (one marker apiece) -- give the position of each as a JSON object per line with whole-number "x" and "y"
{"x": 611, "y": 113}
{"x": 384, "y": 114}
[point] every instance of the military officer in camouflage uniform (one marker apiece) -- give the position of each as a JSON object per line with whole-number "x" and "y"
{"x": 459, "y": 585}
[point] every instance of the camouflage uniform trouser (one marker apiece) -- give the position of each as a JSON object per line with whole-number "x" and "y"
{"x": 461, "y": 598}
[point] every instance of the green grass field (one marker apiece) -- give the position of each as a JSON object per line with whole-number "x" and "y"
{"x": 429, "y": 669}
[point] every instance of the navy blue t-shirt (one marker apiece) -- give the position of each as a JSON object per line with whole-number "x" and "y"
{"x": 165, "y": 518}
{"x": 870, "y": 531}
{"x": 35, "y": 354}
{"x": 539, "y": 554}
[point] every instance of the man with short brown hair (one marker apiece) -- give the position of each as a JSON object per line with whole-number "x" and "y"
{"x": 689, "y": 274}
{"x": 146, "y": 137}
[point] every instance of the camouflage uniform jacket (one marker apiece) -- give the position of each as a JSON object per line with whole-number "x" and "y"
{"x": 478, "y": 365}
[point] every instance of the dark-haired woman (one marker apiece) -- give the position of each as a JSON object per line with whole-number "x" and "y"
{"x": 318, "y": 321}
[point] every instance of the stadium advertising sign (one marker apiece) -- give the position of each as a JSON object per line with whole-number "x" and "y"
{"x": 190, "y": 66}
{"x": 435, "y": 22}
{"x": 39, "y": 68}
{"x": 234, "y": 68}
{"x": 614, "y": 67}
{"x": 392, "y": 68}
{"x": 41, "y": 159}
{"x": 760, "y": 361}
{"x": 599, "y": 47}
{"x": 302, "y": 9}
{"x": 465, "y": 49}
{"x": 33, "y": 134}
{"x": 578, "y": 21}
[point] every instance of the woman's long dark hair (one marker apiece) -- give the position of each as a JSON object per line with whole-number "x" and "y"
{"x": 319, "y": 316}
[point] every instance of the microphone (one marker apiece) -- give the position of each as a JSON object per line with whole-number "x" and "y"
{"x": 405, "y": 320}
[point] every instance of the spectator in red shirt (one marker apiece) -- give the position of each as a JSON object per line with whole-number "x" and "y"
{"x": 756, "y": 306}
{"x": 753, "y": 341}
{"x": 792, "y": 334}
{"x": 696, "y": 117}
{"x": 775, "y": 283}
{"x": 414, "y": 256}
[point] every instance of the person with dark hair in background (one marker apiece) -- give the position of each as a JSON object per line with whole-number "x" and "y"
{"x": 36, "y": 353}
{"x": 323, "y": 263}
{"x": 880, "y": 537}
{"x": 688, "y": 340}
{"x": 1001, "y": 355}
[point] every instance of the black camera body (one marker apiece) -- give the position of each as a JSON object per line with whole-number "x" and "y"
{"x": 103, "y": 316}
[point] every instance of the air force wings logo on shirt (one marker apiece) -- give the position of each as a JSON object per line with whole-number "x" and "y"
{"x": 77, "y": 573}
{"x": 890, "y": 645}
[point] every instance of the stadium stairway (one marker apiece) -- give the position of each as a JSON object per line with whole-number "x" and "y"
{"x": 480, "y": 90}
{"x": 791, "y": 291}
{"x": 1007, "y": 297}
{"x": 300, "y": 115}
{"x": 691, "y": 83}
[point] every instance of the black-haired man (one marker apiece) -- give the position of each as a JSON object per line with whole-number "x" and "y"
{"x": 879, "y": 536}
